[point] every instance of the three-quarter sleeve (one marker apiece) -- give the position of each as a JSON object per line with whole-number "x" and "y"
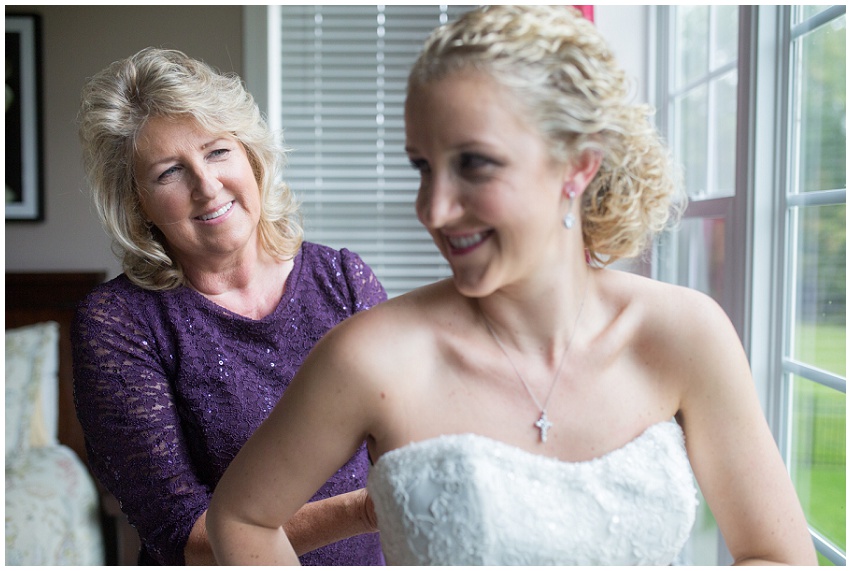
{"x": 129, "y": 414}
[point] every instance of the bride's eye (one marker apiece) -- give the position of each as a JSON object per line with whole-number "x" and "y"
{"x": 476, "y": 167}
{"x": 419, "y": 165}
{"x": 472, "y": 161}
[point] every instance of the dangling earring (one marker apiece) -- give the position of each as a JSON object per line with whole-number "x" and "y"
{"x": 569, "y": 219}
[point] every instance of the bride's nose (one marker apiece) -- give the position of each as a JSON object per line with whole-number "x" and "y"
{"x": 438, "y": 202}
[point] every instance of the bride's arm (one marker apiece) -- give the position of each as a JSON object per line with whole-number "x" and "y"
{"x": 320, "y": 422}
{"x": 731, "y": 449}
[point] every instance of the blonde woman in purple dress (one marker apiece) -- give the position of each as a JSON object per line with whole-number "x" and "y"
{"x": 179, "y": 359}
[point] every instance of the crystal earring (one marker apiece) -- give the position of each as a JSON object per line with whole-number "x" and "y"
{"x": 569, "y": 219}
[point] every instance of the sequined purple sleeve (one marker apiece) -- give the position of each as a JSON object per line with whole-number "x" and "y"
{"x": 168, "y": 386}
{"x": 364, "y": 287}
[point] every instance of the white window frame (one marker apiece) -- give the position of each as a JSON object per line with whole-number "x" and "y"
{"x": 756, "y": 299}
{"x": 732, "y": 209}
{"x": 789, "y": 200}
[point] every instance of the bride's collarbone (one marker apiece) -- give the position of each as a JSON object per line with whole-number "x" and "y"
{"x": 586, "y": 423}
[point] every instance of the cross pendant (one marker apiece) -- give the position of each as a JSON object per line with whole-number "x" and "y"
{"x": 543, "y": 425}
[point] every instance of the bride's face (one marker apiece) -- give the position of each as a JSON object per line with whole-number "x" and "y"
{"x": 490, "y": 193}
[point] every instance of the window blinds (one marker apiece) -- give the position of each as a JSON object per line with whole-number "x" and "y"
{"x": 343, "y": 77}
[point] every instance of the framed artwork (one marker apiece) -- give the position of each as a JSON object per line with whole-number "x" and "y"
{"x": 24, "y": 184}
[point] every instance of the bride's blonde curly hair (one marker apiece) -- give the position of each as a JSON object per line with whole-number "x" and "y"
{"x": 560, "y": 67}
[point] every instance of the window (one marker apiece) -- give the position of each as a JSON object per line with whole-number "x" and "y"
{"x": 753, "y": 101}
{"x": 698, "y": 108}
{"x": 813, "y": 350}
{"x": 698, "y": 75}
{"x": 343, "y": 74}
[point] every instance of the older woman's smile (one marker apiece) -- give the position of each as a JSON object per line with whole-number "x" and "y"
{"x": 218, "y": 213}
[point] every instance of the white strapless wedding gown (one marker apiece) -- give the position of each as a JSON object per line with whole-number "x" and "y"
{"x": 465, "y": 499}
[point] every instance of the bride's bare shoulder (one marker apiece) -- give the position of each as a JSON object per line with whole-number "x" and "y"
{"x": 666, "y": 314}
{"x": 396, "y": 331}
{"x": 677, "y": 332}
{"x": 657, "y": 298}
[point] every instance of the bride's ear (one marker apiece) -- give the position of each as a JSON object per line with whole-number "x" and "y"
{"x": 582, "y": 171}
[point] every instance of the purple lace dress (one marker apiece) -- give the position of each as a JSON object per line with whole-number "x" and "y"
{"x": 168, "y": 387}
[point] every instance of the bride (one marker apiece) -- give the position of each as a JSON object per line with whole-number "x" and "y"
{"x": 536, "y": 408}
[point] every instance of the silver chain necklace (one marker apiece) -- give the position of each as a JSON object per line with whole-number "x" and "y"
{"x": 543, "y": 423}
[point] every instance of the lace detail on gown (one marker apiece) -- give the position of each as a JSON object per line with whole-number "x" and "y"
{"x": 469, "y": 500}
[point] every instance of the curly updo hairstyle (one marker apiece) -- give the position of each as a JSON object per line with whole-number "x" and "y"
{"x": 565, "y": 76}
{"x": 115, "y": 106}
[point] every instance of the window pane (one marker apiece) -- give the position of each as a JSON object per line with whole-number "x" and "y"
{"x": 723, "y": 182}
{"x": 820, "y": 287}
{"x": 691, "y": 42}
{"x": 703, "y": 99}
{"x": 702, "y": 546}
{"x": 700, "y": 255}
{"x": 691, "y": 140}
{"x": 726, "y": 35}
{"x": 818, "y": 456}
{"x": 820, "y": 108}
{"x": 803, "y": 12}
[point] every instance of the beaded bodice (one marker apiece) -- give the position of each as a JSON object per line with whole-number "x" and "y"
{"x": 169, "y": 386}
{"x": 466, "y": 499}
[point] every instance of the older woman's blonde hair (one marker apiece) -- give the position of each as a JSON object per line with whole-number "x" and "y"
{"x": 116, "y": 104}
{"x": 563, "y": 73}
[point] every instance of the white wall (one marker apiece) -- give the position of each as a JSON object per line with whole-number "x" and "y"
{"x": 626, "y": 30}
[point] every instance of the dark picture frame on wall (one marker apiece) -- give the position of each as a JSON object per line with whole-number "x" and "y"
{"x": 24, "y": 181}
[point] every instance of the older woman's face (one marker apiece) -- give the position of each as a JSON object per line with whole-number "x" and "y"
{"x": 199, "y": 189}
